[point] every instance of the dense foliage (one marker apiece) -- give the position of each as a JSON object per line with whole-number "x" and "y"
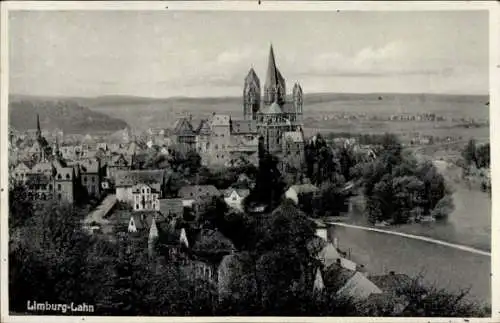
{"x": 51, "y": 258}
{"x": 476, "y": 155}
{"x": 398, "y": 188}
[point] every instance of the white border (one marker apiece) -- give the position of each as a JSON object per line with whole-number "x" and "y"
{"x": 491, "y": 6}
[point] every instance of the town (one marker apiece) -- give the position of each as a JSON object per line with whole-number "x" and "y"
{"x": 225, "y": 216}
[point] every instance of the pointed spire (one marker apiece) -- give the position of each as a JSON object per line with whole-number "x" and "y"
{"x": 272, "y": 70}
{"x": 153, "y": 231}
{"x": 318, "y": 282}
{"x": 38, "y": 128}
{"x": 183, "y": 238}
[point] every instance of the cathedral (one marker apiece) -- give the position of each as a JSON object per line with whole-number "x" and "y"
{"x": 271, "y": 120}
{"x": 274, "y": 114}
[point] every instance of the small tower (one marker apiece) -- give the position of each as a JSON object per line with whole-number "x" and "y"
{"x": 153, "y": 238}
{"x": 297, "y": 102}
{"x": 251, "y": 95}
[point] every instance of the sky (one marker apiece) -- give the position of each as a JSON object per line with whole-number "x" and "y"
{"x": 209, "y": 53}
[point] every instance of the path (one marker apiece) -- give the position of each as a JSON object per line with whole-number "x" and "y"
{"x": 97, "y": 216}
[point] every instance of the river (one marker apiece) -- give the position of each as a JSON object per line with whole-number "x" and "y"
{"x": 446, "y": 267}
{"x": 469, "y": 224}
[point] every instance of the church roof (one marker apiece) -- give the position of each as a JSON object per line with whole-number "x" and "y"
{"x": 204, "y": 128}
{"x": 244, "y": 127}
{"x": 252, "y": 78}
{"x": 183, "y": 127}
{"x": 130, "y": 178}
{"x": 220, "y": 120}
{"x": 272, "y": 109}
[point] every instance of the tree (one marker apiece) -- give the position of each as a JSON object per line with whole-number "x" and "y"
{"x": 469, "y": 153}
{"x": 483, "y": 156}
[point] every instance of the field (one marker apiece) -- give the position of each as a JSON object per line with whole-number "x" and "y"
{"x": 144, "y": 113}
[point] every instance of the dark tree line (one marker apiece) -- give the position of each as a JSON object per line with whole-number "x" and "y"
{"x": 476, "y": 155}
{"x": 398, "y": 188}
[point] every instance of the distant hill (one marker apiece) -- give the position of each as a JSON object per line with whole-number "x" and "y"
{"x": 65, "y": 114}
{"x": 143, "y": 113}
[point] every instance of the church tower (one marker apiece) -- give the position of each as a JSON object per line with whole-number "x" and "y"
{"x": 297, "y": 102}
{"x": 38, "y": 128}
{"x": 251, "y": 95}
{"x": 274, "y": 88}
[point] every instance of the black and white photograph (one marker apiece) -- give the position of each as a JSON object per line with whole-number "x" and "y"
{"x": 186, "y": 160}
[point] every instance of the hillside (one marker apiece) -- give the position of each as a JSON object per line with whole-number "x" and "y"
{"x": 143, "y": 113}
{"x": 66, "y": 115}
{"x": 152, "y": 112}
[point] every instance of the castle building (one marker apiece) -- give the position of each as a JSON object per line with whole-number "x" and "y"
{"x": 273, "y": 113}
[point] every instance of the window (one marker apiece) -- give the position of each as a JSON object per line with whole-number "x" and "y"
{"x": 59, "y": 196}
{"x": 85, "y": 179}
{"x": 50, "y": 186}
{"x": 93, "y": 179}
{"x": 59, "y": 187}
{"x": 67, "y": 176}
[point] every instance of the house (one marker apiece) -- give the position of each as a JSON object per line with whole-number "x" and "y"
{"x": 66, "y": 179}
{"x": 172, "y": 208}
{"x": 392, "y": 298}
{"x": 126, "y": 181}
{"x": 118, "y": 162}
{"x": 359, "y": 287}
{"x": 295, "y": 191}
{"x": 20, "y": 172}
{"x": 195, "y": 194}
{"x": 185, "y": 135}
{"x": 234, "y": 197}
{"x": 39, "y": 186}
{"x": 145, "y": 198}
{"x": 91, "y": 176}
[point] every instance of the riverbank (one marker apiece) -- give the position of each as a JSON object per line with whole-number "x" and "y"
{"x": 440, "y": 265}
{"x": 468, "y": 224}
